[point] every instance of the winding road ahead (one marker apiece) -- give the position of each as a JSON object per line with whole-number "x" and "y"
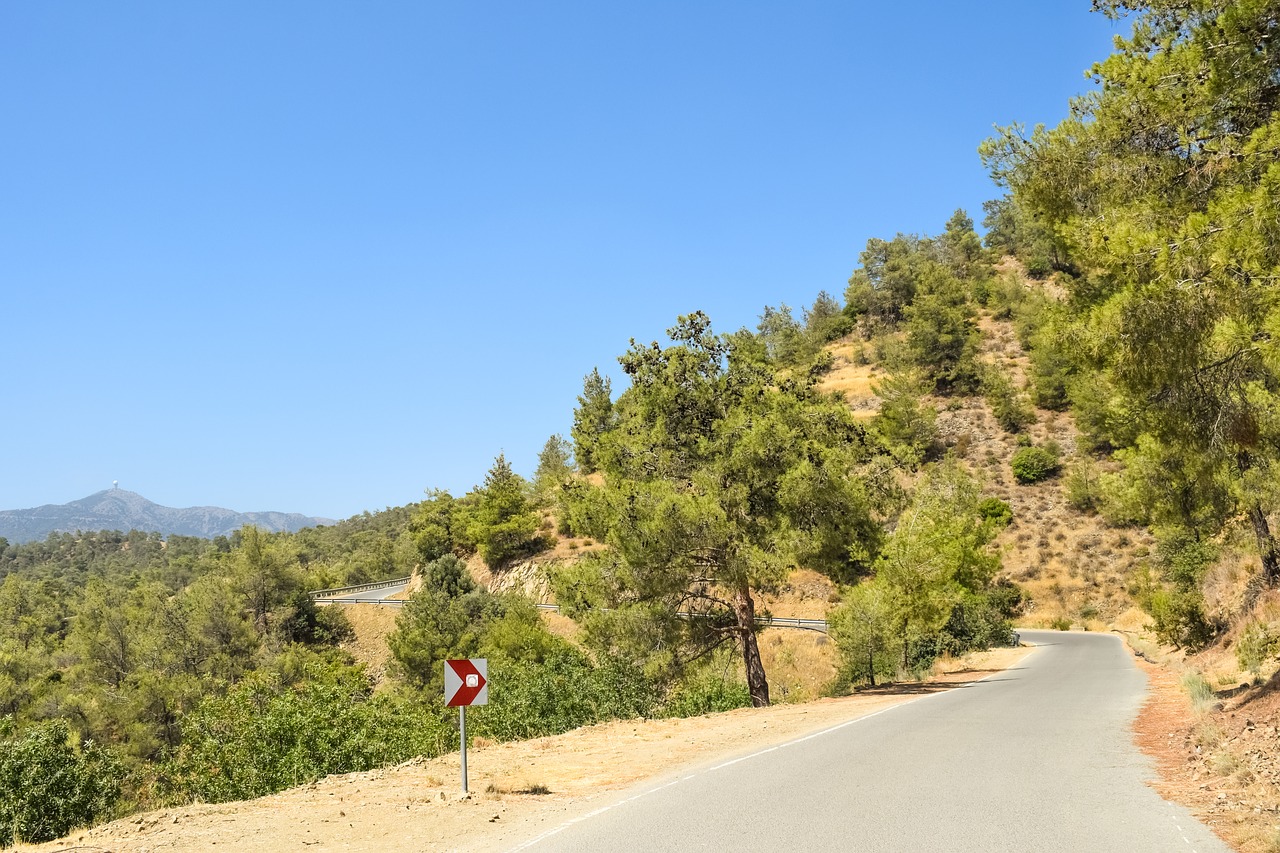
{"x": 1036, "y": 758}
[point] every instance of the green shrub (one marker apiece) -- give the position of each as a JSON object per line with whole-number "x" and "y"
{"x": 47, "y": 787}
{"x": 975, "y": 624}
{"x": 1257, "y": 645}
{"x": 1179, "y": 619}
{"x": 1008, "y": 404}
{"x": 565, "y": 691}
{"x": 995, "y": 510}
{"x": 1039, "y": 267}
{"x": 1033, "y": 464}
{"x": 706, "y": 694}
{"x": 265, "y": 736}
{"x": 1184, "y": 556}
{"x": 1083, "y": 487}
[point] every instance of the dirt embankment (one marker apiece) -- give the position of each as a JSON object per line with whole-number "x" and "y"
{"x": 518, "y": 789}
{"x": 1222, "y": 760}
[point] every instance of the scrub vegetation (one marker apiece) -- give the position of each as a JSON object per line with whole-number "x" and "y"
{"x": 1118, "y": 329}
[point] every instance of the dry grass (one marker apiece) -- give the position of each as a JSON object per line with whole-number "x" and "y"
{"x": 855, "y": 381}
{"x": 370, "y": 623}
{"x": 800, "y": 664}
{"x": 805, "y": 594}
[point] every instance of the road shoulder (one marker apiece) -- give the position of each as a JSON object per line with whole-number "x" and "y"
{"x": 519, "y": 789}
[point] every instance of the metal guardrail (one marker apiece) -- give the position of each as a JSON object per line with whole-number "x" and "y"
{"x": 788, "y": 622}
{"x": 389, "y": 602}
{"x": 818, "y": 625}
{"x": 336, "y": 596}
{"x": 361, "y": 587}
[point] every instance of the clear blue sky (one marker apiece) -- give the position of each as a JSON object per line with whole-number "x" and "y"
{"x": 317, "y": 257}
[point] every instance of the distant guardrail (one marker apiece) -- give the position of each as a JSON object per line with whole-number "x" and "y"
{"x": 350, "y": 591}
{"x": 351, "y": 595}
{"x": 389, "y": 602}
{"x": 818, "y": 625}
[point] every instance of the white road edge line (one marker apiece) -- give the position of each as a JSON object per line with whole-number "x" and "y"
{"x": 580, "y": 818}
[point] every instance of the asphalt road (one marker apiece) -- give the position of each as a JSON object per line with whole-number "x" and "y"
{"x": 1036, "y": 758}
{"x": 385, "y": 592}
{"x": 367, "y": 596}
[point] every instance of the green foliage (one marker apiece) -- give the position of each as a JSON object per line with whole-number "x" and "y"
{"x": 1033, "y": 464}
{"x": 996, "y": 511}
{"x": 1178, "y": 618}
{"x": 195, "y": 661}
{"x": 1184, "y": 557}
{"x": 718, "y": 477}
{"x": 519, "y": 634}
{"x": 1162, "y": 182}
{"x": 783, "y": 342}
{"x": 977, "y": 622}
{"x": 962, "y": 248}
{"x": 1083, "y": 485}
{"x": 435, "y": 626}
{"x": 825, "y": 320}
{"x": 865, "y": 628}
{"x": 783, "y": 337}
{"x": 941, "y": 333}
{"x": 885, "y": 283}
{"x": 500, "y": 519}
{"x": 1257, "y": 645}
{"x": 1051, "y": 372}
{"x": 264, "y": 571}
{"x": 1008, "y": 404}
{"x": 905, "y": 424}
{"x": 1010, "y": 231}
{"x": 564, "y": 691}
{"x": 47, "y": 786}
{"x": 363, "y": 548}
{"x": 267, "y": 734}
{"x": 708, "y": 691}
{"x": 437, "y": 527}
{"x": 555, "y": 467}
{"x": 592, "y": 418}
{"x": 936, "y": 559}
{"x": 448, "y": 576}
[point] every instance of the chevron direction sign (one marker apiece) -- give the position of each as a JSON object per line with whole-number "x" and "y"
{"x": 466, "y": 682}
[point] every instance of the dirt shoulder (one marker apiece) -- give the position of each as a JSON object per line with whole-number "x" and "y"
{"x": 418, "y": 805}
{"x": 1222, "y": 763}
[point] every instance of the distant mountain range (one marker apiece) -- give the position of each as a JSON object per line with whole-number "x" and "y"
{"x": 118, "y": 509}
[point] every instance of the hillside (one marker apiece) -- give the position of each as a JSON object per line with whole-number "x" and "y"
{"x": 119, "y": 509}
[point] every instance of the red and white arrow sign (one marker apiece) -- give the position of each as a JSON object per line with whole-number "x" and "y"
{"x": 466, "y": 682}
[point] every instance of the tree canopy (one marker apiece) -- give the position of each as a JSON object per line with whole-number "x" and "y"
{"x": 1164, "y": 185}
{"x": 718, "y": 476}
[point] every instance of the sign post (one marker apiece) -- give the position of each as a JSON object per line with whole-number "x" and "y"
{"x": 466, "y": 682}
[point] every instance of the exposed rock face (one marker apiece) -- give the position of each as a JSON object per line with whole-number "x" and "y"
{"x": 118, "y": 509}
{"x": 530, "y": 576}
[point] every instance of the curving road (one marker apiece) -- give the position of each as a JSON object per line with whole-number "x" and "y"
{"x": 1036, "y": 758}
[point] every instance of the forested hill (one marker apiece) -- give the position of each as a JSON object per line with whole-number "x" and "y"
{"x": 118, "y": 509}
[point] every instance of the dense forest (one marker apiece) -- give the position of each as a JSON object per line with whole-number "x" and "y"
{"x": 1136, "y": 255}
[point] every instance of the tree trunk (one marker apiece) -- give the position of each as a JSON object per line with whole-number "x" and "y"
{"x": 871, "y": 663}
{"x": 1266, "y": 546}
{"x": 744, "y": 610}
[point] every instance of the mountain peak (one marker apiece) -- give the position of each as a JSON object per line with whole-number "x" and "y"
{"x": 121, "y": 509}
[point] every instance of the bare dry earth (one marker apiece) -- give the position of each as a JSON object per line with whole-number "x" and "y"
{"x": 1221, "y": 760}
{"x": 419, "y": 805}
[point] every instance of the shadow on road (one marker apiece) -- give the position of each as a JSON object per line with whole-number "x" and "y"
{"x": 960, "y": 678}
